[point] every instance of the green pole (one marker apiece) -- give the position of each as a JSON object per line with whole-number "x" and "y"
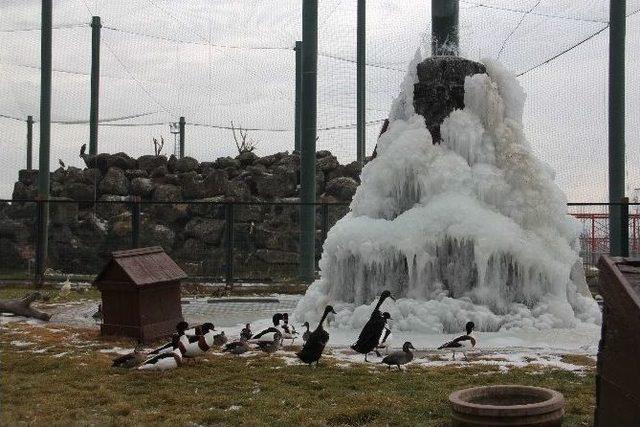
{"x": 45, "y": 139}
{"x": 29, "y": 142}
{"x": 182, "y": 126}
{"x": 96, "y": 25}
{"x": 361, "y": 81}
{"x": 308, "y": 157}
{"x": 617, "y": 22}
{"x": 444, "y": 27}
{"x": 298, "y": 118}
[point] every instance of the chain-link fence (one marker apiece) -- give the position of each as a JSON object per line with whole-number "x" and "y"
{"x": 211, "y": 241}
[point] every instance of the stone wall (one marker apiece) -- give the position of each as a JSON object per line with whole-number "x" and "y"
{"x": 99, "y": 221}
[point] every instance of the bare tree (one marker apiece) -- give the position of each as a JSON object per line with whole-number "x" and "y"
{"x": 243, "y": 144}
{"x": 157, "y": 146}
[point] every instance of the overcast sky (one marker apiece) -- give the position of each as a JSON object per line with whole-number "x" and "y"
{"x": 221, "y": 60}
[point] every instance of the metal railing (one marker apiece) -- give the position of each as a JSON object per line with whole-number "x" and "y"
{"x": 212, "y": 241}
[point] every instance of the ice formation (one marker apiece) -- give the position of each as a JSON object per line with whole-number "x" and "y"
{"x": 471, "y": 229}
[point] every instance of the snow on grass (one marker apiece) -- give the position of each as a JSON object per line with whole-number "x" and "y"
{"x": 21, "y": 343}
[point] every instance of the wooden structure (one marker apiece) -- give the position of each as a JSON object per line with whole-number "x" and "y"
{"x": 618, "y": 374}
{"x": 140, "y": 294}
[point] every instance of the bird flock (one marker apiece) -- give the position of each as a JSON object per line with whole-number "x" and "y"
{"x": 188, "y": 343}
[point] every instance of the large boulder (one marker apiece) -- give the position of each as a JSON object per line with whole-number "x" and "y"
{"x": 192, "y": 185}
{"x": 343, "y": 188}
{"x": 271, "y": 159}
{"x": 282, "y": 239}
{"x": 10, "y": 255}
{"x": 169, "y": 213}
{"x": 28, "y": 176}
{"x": 91, "y": 176}
{"x": 167, "y": 193}
{"x": 271, "y": 256}
{"x": 238, "y": 191}
{"x": 152, "y": 234}
{"x": 227, "y": 162}
{"x": 327, "y": 163}
{"x": 141, "y": 187}
{"x": 121, "y": 161}
{"x": 79, "y": 191}
{"x": 275, "y": 185}
{"x": 114, "y": 182}
{"x": 149, "y": 162}
{"x": 210, "y": 207}
{"x": 63, "y": 212}
{"x": 24, "y": 192}
{"x": 13, "y": 230}
{"x": 247, "y": 158}
{"x": 109, "y": 206}
{"x": 186, "y": 164}
{"x": 192, "y": 250}
{"x": 209, "y": 231}
{"x": 136, "y": 173}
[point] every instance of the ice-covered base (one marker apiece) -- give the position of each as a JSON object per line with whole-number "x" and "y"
{"x": 470, "y": 229}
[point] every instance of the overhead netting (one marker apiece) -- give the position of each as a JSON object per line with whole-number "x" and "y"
{"x": 233, "y": 60}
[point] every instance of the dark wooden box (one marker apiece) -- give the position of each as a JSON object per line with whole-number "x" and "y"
{"x": 140, "y": 294}
{"x": 618, "y": 372}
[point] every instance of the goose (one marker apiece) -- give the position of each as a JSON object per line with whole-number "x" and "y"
{"x": 165, "y": 361}
{"x": 305, "y": 335}
{"x": 237, "y": 347}
{"x": 271, "y": 346}
{"x": 372, "y": 330}
{"x": 199, "y": 344}
{"x": 246, "y": 332}
{"x": 181, "y": 328}
{"x": 463, "y": 343}
{"x": 131, "y": 360}
{"x": 316, "y": 342}
{"x": 385, "y": 341}
{"x": 220, "y": 339}
{"x": 399, "y": 357}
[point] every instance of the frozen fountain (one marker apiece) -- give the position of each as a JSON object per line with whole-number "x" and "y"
{"x": 455, "y": 216}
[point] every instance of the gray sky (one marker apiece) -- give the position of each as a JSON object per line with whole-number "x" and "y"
{"x": 223, "y": 60}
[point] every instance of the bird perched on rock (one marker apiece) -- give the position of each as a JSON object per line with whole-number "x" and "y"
{"x": 463, "y": 343}
{"x": 165, "y": 361}
{"x": 372, "y": 330}
{"x": 131, "y": 360}
{"x": 246, "y": 333}
{"x": 61, "y": 163}
{"x": 398, "y": 358}
{"x": 316, "y": 342}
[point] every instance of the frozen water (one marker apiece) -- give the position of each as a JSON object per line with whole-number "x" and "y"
{"x": 471, "y": 229}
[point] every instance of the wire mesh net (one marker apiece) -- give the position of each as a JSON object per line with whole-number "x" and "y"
{"x": 224, "y": 61}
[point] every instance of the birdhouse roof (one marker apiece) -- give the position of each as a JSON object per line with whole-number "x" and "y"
{"x": 142, "y": 266}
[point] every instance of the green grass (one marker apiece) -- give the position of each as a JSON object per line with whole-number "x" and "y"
{"x": 80, "y": 388}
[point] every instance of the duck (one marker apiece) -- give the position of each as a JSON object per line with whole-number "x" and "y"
{"x": 372, "y": 330}
{"x": 267, "y": 334}
{"x": 131, "y": 360}
{"x": 246, "y": 332}
{"x": 181, "y": 329}
{"x": 97, "y": 316}
{"x": 386, "y": 333}
{"x": 316, "y": 342}
{"x": 65, "y": 289}
{"x": 165, "y": 361}
{"x": 398, "y": 358}
{"x": 305, "y": 335}
{"x": 197, "y": 345}
{"x": 271, "y": 346}
{"x": 288, "y": 331}
{"x": 463, "y": 343}
{"x": 220, "y": 339}
{"x": 237, "y": 347}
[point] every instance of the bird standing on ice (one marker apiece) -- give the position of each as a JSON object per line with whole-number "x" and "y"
{"x": 385, "y": 338}
{"x": 463, "y": 343}
{"x": 316, "y": 342}
{"x": 370, "y": 335}
{"x": 181, "y": 329}
{"x": 246, "y": 333}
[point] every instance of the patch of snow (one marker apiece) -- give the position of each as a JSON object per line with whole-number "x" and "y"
{"x": 233, "y": 408}
{"x": 21, "y": 343}
{"x": 64, "y": 353}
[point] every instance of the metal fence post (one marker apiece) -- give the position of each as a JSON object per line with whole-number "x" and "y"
{"x": 182, "y": 125}
{"x": 361, "y": 82}
{"x": 325, "y": 221}
{"x": 228, "y": 216}
{"x": 624, "y": 227}
{"x": 29, "y": 142}
{"x": 617, "y": 28}
{"x": 96, "y": 25}
{"x": 45, "y": 139}
{"x": 444, "y": 27}
{"x": 135, "y": 224}
{"x": 308, "y": 157}
{"x": 298, "y": 117}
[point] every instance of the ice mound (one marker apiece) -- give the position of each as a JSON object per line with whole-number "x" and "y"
{"x": 471, "y": 229}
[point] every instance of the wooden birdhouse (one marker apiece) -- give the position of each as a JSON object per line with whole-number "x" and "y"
{"x": 140, "y": 294}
